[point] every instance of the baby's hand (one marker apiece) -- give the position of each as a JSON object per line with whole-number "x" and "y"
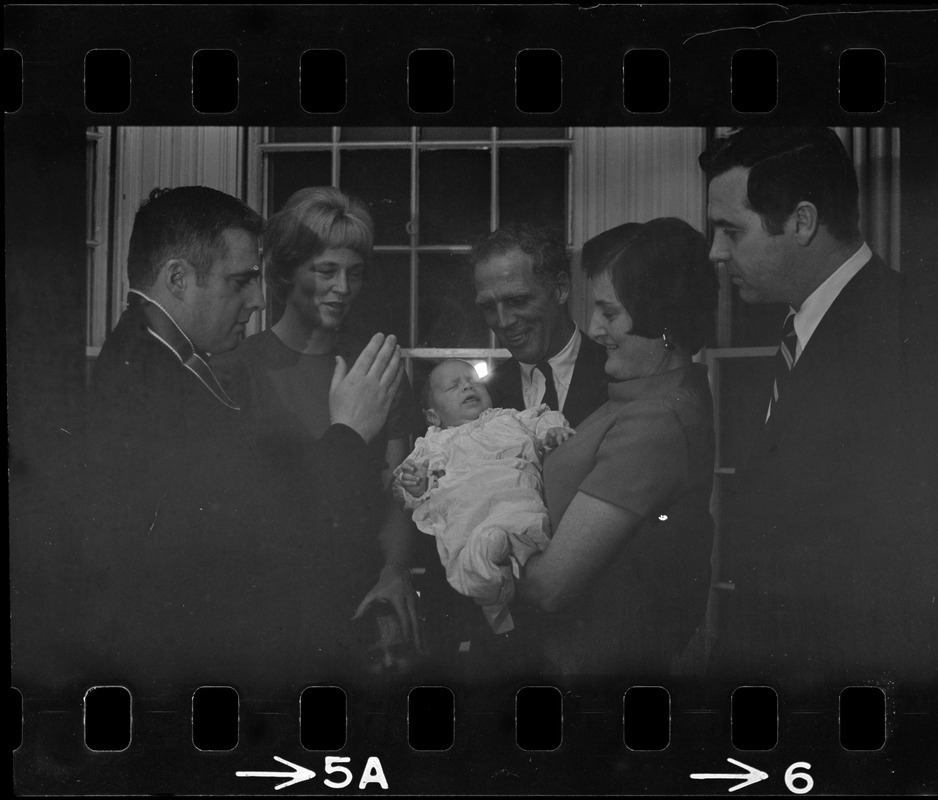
{"x": 413, "y": 477}
{"x": 556, "y": 437}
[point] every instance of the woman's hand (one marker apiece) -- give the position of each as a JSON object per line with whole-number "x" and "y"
{"x": 413, "y": 477}
{"x": 395, "y": 587}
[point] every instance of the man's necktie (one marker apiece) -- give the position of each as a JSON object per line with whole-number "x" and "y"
{"x": 550, "y": 390}
{"x": 784, "y": 360}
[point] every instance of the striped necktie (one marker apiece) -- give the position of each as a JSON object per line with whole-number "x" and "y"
{"x": 784, "y": 360}
{"x": 550, "y": 389}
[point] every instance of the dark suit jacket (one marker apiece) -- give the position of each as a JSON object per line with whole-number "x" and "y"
{"x": 208, "y": 554}
{"x": 827, "y": 539}
{"x": 587, "y": 390}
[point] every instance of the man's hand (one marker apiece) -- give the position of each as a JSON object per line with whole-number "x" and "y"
{"x": 554, "y": 438}
{"x": 361, "y": 397}
{"x": 394, "y": 587}
{"x": 413, "y": 477}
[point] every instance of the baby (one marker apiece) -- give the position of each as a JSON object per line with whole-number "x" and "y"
{"x": 474, "y": 482}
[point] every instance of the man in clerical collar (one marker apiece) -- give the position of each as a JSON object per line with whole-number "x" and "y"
{"x": 211, "y": 552}
{"x": 194, "y": 252}
{"x": 193, "y": 268}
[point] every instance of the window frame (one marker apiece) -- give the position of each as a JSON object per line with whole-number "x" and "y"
{"x": 98, "y": 229}
{"x": 259, "y": 147}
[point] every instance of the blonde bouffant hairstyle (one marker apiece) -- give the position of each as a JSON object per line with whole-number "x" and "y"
{"x": 314, "y": 220}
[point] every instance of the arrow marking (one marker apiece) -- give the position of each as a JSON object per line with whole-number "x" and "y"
{"x": 298, "y": 775}
{"x": 750, "y": 776}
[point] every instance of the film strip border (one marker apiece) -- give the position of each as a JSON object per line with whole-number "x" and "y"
{"x": 492, "y": 739}
{"x": 431, "y": 81}
{"x": 606, "y": 65}
{"x": 432, "y": 720}
{"x": 582, "y": 60}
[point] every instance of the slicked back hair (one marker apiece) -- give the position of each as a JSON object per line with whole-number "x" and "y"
{"x": 787, "y": 166}
{"x": 187, "y": 223}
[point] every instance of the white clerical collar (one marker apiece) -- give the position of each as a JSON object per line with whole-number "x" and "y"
{"x": 167, "y": 332}
{"x": 169, "y": 316}
{"x": 812, "y": 310}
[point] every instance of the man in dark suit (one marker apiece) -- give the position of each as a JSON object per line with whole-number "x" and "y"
{"x": 522, "y": 280}
{"x": 828, "y": 544}
{"x": 208, "y": 553}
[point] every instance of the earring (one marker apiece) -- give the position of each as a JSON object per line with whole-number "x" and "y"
{"x": 668, "y": 341}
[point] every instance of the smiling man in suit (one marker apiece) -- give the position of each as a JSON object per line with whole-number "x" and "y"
{"x": 826, "y": 544}
{"x": 522, "y": 281}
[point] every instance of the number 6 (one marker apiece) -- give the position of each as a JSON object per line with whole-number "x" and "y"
{"x": 791, "y": 776}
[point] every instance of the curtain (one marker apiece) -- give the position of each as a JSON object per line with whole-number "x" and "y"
{"x": 875, "y": 153}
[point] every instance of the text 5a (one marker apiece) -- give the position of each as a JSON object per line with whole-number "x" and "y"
{"x": 336, "y": 774}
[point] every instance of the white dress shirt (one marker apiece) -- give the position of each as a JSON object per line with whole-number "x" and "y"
{"x": 812, "y": 310}
{"x": 533, "y": 384}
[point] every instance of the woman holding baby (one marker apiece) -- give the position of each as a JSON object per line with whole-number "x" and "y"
{"x": 625, "y": 577}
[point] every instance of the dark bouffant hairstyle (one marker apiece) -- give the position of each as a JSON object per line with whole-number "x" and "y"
{"x": 662, "y": 276}
{"x": 599, "y": 252}
{"x": 786, "y": 166}
{"x": 187, "y": 222}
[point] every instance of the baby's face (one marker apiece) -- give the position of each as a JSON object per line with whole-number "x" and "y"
{"x": 456, "y": 394}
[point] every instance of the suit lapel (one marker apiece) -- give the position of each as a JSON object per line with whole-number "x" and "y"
{"x": 588, "y": 385}
{"x": 832, "y": 346}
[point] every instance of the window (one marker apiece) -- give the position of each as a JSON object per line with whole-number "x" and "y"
{"x": 432, "y": 192}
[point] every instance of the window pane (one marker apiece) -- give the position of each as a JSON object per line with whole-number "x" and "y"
{"x": 446, "y": 313}
{"x": 318, "y": 134}
{"x": 454, "y": 196}
{"x": 745, "y": 386}
{"x": 440, "y": 134}
{"x": 375, "y": 134}
{"x": 532, "y": 186}
{"x": 756, "y": 324}
{"x": 288, "y": 172}
{"x": 384, "y": 303}
{"x": 382, "y": 179}
{"x": 532, "y": 133}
